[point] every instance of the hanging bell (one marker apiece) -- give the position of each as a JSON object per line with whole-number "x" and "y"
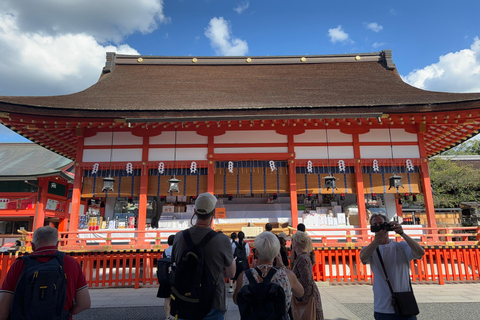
{"x": 395, "y": 182}
{"x": 173, "y": 185}
{"x": 108, "y": 184}
{"x": 330, "y": 182}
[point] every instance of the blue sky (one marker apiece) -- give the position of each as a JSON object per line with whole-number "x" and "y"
{"x": 53, "y": 47}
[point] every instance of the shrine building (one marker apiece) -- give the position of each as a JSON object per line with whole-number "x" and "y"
{"x": 321, "y": 139}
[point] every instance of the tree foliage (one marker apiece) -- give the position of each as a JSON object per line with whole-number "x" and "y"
{"x": 469, "y": 147}
{"x": 453, "y": 183}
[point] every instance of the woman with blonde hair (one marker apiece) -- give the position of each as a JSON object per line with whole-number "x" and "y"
{"x": 268, "y": 250}
{"x": 309, "y": 306}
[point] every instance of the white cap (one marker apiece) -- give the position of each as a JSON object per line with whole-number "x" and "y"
{"x": 205, "y": 203}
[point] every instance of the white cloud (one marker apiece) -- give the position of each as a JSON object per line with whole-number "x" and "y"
{"x": 378, "y": 44}
{"x": 454, "y": 72}
{"x": 222, "y": 41}
{"x": 242, "y": 6}
{"x": 338, "y": 35}
{"x": 373, "y": 26}
{"x": 52, "y": 47}
{"x": 105, "y": 20}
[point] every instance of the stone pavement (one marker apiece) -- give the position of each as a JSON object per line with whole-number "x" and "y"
{"x": 340, "y": 302}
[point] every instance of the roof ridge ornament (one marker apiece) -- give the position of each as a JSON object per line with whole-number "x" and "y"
{"x": 387, "y": 56}
{"x": 109, "y": 63}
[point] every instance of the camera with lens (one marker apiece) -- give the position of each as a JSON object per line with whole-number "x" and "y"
{"x": 383, "y": 226}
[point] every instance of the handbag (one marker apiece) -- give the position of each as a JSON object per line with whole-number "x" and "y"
{"x": 404, "y": 303}
{"x": 304, "y": 310}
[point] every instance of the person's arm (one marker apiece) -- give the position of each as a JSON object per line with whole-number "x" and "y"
{"x": 367, "y": 251}
{"x": 230, "y": 270}
{"x": 6, "y": 299}
{"x": 417, "y": 249}
{"x": 82, "y": 301}
{"x": 238, "y": 286}
{"x": 297, "y": 288}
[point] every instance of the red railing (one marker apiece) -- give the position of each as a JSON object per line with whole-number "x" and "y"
{"x": 110, "y": 240}
{"x": 439, "y": 264}
{"x": 340, "y": 265}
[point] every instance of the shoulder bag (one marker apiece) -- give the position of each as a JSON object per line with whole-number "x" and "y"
{"x": 404, "y": 303}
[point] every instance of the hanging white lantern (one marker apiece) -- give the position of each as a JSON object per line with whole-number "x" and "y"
{"x": 95, "y": 168}
{"x": 375, "y": 166}
{"x": 230, "y": 166}
{"x": 272, "y": 165}
{"x": 409, "y": 165}
{"x": 309, "y": 166}
{"x": 193, "y": 167}
{"x": 161, "y": 168}
{"x": 129, "y": 168}
{"x": 341, "y": 165}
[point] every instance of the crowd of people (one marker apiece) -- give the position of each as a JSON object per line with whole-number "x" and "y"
{"x": 278, "y": 282}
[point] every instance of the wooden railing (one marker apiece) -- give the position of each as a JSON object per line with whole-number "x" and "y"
{"x": 111, "y": 240}
{"x": 137, "y": 268}
{"x": 439, "y": 264}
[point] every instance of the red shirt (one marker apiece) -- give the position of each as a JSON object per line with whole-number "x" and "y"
{"x": 75, "y": 277}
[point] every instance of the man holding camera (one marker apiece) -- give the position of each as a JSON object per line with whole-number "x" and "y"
{"x": 396, "y": 258}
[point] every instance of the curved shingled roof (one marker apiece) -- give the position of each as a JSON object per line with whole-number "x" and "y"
{"x": 19, "y": 161}
{"x": 134, "y": 86}
{"x": 351, "y": 91}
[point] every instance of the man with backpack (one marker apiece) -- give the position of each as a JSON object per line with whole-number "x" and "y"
{"x": 46, "y": 284}
{"x": 203, "y": 260}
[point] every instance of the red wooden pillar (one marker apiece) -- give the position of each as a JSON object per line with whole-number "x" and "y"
{"x": 40, "y": 212}
{"x": 63, "y": 224}
{"x": 398, "y": 207}
{"x": 362, "y": 210}
{"x": 142, "y": 205}
{"x": 426, "y": 185}
{"x": 142, "y": 201}
{"x": 77, "y": 185}
{"x": 211, "y": 166}
{"x": 292, "y": 177}
{"x": 211, "y": 170}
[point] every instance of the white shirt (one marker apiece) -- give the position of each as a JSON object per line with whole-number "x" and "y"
{"x": 396, "y": 257}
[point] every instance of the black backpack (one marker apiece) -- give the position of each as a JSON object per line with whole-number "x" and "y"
{"x": 193, "y": 288}
{"x": 240, "y": 251}
{"x": 41, "y": 290}
{"x": 262, "y": 301}
{"x": 165, "y": 271}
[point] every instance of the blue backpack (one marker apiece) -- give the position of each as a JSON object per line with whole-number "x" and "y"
{"x": 41, "y": 290}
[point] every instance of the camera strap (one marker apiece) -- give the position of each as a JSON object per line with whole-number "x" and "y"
{"x": 386, "y": 275}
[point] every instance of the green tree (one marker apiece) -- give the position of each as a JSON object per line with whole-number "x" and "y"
{"x": 453, "y": 183}
{"x": 469, "y": 147}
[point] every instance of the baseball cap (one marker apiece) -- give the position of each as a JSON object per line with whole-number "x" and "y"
{"x": 205, "y": 203}
{"x": 284, "y": 236}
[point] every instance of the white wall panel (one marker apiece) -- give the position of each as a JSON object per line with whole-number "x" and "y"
{"x": 321, "y": 152}
{"x": 382, "y": 135}
{"x": 320, "y": 136}
{"x": 119, "y": 138}
{"x": 406, "y": 152}
{"x": 167, "y": 154}
{"x": 384, "y": 152}
{"x": 183, "y": 137}
{"x": 103, "y": 155}
{"x": 254, "y": 136}
{"x": 376, "y": 152}
{"x": 252, "y": 150}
